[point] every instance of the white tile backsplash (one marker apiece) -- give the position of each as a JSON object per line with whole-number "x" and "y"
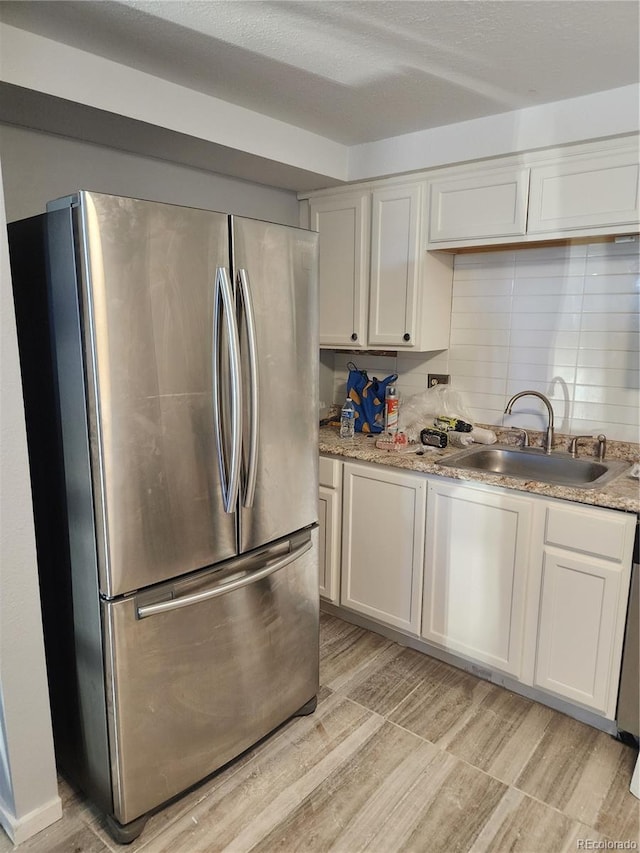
{"x": 463, "y": 352}
{"x": 540, "y": 355}
{"x": 478, "y": 369}
{"x": 562, "y": 320}
{"x": 613, "y": 264}
{"x": 616, "y": 359}
{"x": 606, "y": 396}
{"x": 605, "y": 378}
{"x": 482, "y": 384}
{"x": 491, "y": 287}
{"x": 556, "y": 303}
{"x": 479, "y": 304}
{"x": 610, "y": 303}
{"x": 463, "y": 320}
{"x": 543, "y": 286}
{"x": 545, "y": 322}
{"x": 481, "y": 337}
{"x": 612, "y": 284}
{"x": 610, "y": 322}
{"x": 627, "y": 341}
{"x": 541, "y": 373}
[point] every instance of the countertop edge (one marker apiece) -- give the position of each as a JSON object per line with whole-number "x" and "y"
{"x": 621, "y": 493}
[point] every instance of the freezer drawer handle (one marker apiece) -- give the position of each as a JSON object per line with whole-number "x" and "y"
{"x": 224, "y": 300}
{"x": 223, "y": 588}
{"x": 254, "y": 419}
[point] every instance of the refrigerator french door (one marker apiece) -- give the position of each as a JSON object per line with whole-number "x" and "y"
{"x": 181, "y": 440}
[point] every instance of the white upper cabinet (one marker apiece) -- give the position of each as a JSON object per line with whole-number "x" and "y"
{"x": 584, "y": 192}
{"x": 343, "y": 222}
{"x": 581, "y": 191}
{"x": 395, "y": 267}
{"x": 379, "y": 289}
{"x": 493, "y": 204}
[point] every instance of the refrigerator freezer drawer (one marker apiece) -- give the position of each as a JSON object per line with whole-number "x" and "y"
{"x": 201, "y": 669}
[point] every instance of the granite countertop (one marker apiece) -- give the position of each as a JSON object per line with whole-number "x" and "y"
{"x": 622, "y": 492}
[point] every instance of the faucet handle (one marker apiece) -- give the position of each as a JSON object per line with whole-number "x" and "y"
{"x": 573, "y": 444}
{"x": 602, "y": 444}
{"x": 525, "y": 435}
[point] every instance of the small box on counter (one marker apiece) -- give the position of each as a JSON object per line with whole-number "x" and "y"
{"x": 434, "y": 437}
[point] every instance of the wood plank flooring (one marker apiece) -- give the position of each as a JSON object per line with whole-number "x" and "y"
{"x": 404, "y": 753}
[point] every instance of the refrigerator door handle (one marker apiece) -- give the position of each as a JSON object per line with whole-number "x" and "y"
{"x": 224, "y": 309}
{"x": 254, "y": 385}
{"x": 225, "y": 587}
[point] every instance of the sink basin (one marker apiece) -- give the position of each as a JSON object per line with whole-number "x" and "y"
{"x": 534, "y": 464}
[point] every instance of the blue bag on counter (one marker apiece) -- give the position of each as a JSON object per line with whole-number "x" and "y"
{"x": 367, "y": 396}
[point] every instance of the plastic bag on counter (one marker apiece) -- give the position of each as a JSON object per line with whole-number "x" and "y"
{"x": 421, "y": 410}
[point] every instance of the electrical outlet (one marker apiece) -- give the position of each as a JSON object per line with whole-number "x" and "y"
{"x": 437, "y": 379}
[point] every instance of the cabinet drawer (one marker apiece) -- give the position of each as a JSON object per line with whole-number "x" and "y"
{"x": 329, "y": 472}
{"x": 590, "y": 531}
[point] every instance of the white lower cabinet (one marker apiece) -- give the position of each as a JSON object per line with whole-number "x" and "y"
{"x": 383, "y": 544}
{"x": 583, "y": 601}
{"x": 531, "y": 587}
{"x": 330, "y": 527}
{"x": 476, "y": 567}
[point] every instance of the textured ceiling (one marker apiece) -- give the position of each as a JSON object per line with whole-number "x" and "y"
{"x": 359, "y": 71}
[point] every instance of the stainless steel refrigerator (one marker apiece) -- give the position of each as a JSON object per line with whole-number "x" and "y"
{"x": 169, "y": 359}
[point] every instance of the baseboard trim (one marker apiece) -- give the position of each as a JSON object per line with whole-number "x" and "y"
{"x": 19, "y": 829}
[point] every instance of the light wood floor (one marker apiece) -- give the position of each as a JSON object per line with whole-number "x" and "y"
{"x": 404, "y": 753}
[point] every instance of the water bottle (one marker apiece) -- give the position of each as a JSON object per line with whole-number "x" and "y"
{"x": 348, "y": 419}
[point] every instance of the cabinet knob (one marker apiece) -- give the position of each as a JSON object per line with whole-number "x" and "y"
{"x": 354, "y": 336}
{"x": 406, "y": 336}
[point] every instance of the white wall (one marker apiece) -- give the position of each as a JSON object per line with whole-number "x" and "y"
{"x": 602, "y": 114}
{"x": 39, "y": 167}
{"x": 562, "y": 320}
{"x": 28, "y": 790}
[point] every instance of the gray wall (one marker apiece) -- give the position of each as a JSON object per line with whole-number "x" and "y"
{"x": 38, "y": 167}
{"x": 28, "y": 790}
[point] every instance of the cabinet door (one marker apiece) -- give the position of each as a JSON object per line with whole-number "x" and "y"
{"x": 383, "y": 544}
{"x": 329, "y": 522}
{"x": 395, "y": 266}
{"x": 577, "y": 629}
{"x": 477, "y": 206}
{"x": 476, "y": 567}
{"x": 343, "y": 223}
{"x": 585, "y": 192}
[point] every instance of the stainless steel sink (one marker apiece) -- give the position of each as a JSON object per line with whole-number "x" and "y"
{"x": 534, "y": 464}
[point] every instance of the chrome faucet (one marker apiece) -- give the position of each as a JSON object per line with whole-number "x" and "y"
{"x": 548, "y": 444}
